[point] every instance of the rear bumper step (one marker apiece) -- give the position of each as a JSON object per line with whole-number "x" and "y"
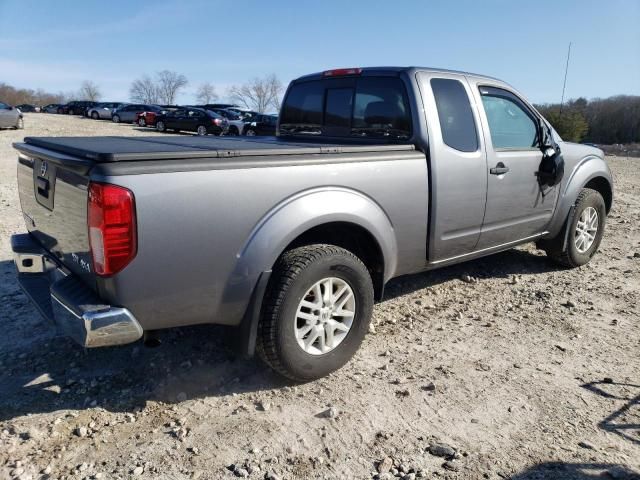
{"x": 62, "y": 298}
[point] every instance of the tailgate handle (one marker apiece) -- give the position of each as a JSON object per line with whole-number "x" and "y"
{"x": 43, "y": 187}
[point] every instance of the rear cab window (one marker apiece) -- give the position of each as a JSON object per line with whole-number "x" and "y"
{"x": 455, "y": 115}
{"x": 356, "y": 107}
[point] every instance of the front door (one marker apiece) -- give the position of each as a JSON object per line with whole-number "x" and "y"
{"x": 517, "y": 208}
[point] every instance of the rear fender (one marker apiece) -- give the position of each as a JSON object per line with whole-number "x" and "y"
{"x": 290, "y": 219}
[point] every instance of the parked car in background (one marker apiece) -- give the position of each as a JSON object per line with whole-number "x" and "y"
{"x": 76, "y": 107}
{"x": 213, "y": 106}
{"x": 51, "y": 108}
{"x": 27, "y": 108}
{"x": 148, "y": 117}
{"x": 260, "y": 124}
{"x": 10, "y": 117}
{"x": 103, "y": 110}
{"x": 129, "y": 113}
{"x": 236, "y": 124}
{"x": 192, "y": 119}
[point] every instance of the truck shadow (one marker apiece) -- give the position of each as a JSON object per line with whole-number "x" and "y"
{"x": 40, "y": 372}
{"x": 620, "y": 421}
{"x": 575, "y": 471}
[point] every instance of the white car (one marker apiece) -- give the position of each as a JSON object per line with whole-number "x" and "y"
{"x": 10, "y": 117}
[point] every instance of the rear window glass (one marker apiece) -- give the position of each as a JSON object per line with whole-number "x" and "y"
{"x": 351, "y": 107}
{"x": 454, "y": 112}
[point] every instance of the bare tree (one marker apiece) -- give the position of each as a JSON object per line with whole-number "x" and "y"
{"x": 206, "y": 93}
{"x": 144, "y": 90}
{"x": 169, "y": 85}
{"x": 90, "y": 91}
{"x": 259, "y": 94}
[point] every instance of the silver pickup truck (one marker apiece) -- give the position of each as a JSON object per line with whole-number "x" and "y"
{"x": 375, "y": 173}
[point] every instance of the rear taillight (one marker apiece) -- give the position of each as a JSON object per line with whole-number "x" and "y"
{"x": 111, "y": 216}
{"x": 216, "y": 121}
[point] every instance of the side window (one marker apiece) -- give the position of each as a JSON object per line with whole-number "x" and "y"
{"x": 454, "y": 112}
{"x": 511, "y": 124}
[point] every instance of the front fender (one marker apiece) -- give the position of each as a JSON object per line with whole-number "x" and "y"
{"x": 293, "y": 217}
{"x": 585, "y": 170}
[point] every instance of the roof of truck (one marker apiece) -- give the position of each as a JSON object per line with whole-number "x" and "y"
{"x": 378, "y": 70}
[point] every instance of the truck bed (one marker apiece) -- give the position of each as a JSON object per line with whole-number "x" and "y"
{"x": 121, "y": 149}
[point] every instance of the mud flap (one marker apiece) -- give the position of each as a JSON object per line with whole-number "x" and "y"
{"x": 248, "y": 334}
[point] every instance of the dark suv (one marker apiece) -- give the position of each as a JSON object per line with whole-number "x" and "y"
{"x": 260, "y": 125}
{"x": 77, "y": 107}
{"x": 191, "y": 119}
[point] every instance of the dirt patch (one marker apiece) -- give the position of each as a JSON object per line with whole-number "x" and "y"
{"x": 527, "y": 371}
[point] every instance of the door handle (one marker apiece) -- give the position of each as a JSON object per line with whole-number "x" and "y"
{"x": 499, "y": 169}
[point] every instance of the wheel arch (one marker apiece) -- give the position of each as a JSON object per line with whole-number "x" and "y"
{"x": 333, "y": 215}
{"x": 591, "y": 172}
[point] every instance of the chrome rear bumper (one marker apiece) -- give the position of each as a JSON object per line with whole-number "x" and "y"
{"x": 73, "y": 307}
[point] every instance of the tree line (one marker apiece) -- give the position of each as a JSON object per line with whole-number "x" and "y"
{"x": 606, "y": 121}
{"x": 261, "y": 94}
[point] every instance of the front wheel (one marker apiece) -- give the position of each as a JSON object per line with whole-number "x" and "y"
{"x": 142, "y": 122}
{"x": 580, "y": 238}
{"x": 316, "y": 311}
{"x": 201, "y": 130}
{"x": 95, "y": 115}
{"x": 250, "y": 133}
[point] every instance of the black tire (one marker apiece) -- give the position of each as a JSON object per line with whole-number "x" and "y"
{"x": 160, "y": 126}
{"x": 250, "y": 132}
{"x": 60, "y": 111}
{"x": 115, "y": 119}
{"x": 233, "y": 131}
{"x": 95, "y": 115}
{"x": 201, "y": 130}
{"x": 566, "y": 253}
{"x": 293, "y": 275}
{"x": 71, "y": 112}
{"x": 142, "y": 122}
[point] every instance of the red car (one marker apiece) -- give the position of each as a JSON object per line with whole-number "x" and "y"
{"x": 148, "y": 117}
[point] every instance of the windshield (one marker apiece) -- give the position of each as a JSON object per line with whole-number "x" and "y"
{"x": 369, "y": 107}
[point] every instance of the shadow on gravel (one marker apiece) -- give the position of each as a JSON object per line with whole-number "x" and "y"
{"x": 499, "y": 265}
{"x": 619, "y": 422}
{"x": 40, "y": 372}
{"x": 576, "y": 471}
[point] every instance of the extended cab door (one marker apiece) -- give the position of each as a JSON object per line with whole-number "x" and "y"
{"x": 517, "y": 208}
{"x": 457, "y": 165}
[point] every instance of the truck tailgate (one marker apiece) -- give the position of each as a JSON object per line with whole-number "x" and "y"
{"x": 53, "y": 196}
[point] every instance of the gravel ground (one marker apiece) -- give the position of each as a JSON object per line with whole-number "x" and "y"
{"x": 507, "y": 367}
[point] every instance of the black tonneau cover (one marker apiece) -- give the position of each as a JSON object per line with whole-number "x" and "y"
{"x": 117, "y": 149}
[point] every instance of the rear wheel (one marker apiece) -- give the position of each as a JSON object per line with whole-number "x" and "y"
{"x": 583, "y": 232}
{"x": 20, "y": 124}
{"x": 250, "y": 133}
{"x": 60, "y": 111}
{"x": 160, "y": 126}
{"x": 233, "y": 131}
{"x": 95, "y": 115}
{"x": 316, "y": 311}
{"x": 142, "y": 122}
{"x": 201, "y": 130}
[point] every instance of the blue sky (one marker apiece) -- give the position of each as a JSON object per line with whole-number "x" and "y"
{"x": 55, "y": 45}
